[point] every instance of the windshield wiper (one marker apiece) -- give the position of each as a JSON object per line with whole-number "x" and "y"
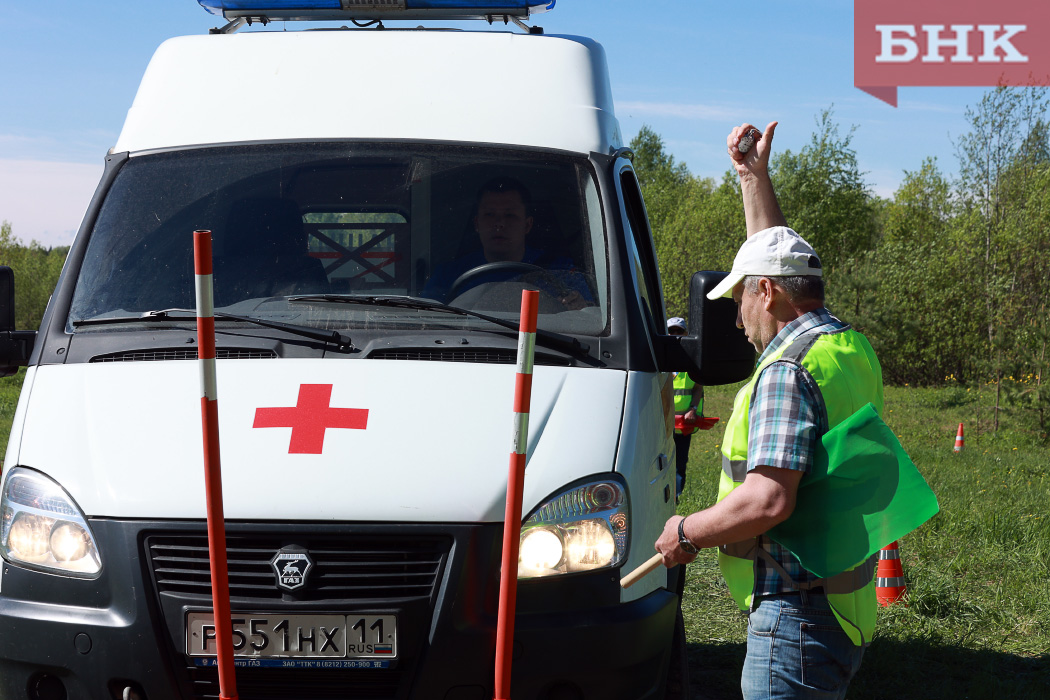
{"x": 549, "y": 338}
{"x": 343, "y": 342}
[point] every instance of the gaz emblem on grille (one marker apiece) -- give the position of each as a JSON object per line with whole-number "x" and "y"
{"x": 291, "y": 565}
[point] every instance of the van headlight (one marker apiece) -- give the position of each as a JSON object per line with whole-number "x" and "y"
{"x": 582, "y": 528}
{"x": 43, "y": 528}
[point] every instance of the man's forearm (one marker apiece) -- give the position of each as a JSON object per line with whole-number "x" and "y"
{"x": 761, "y": 209}
{"x": 766, "y": 498}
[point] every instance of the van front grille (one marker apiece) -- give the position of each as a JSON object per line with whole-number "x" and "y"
{"x": 345, "y": 568}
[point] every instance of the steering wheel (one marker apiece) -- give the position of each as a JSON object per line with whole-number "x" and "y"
{"x": 506, "y": 265}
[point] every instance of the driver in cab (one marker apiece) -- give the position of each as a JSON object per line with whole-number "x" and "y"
{"x": 503, "y": 220}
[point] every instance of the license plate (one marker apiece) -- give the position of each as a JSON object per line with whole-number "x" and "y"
{"x": 366, "y": 639}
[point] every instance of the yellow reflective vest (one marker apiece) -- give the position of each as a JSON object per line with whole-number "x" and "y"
{"x": 845, "y": 369}
{"x": 683, "y": 393}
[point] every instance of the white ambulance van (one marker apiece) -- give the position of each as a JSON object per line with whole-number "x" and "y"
{"x": 360, "y": 183}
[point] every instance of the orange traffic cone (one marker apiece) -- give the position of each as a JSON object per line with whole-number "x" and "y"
{"x": 889, "y": 576}
{"x": 959, "y": 439}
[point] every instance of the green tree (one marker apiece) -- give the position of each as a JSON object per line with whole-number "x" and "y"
{"x": 824, "y": 197}
{"x": 947, "y": 279}
{"x": 1026, "y": 249}
{"x": 921, "y": 209}
{"x": 702, "y": 233}
{"x": 660, "y": 178}
{"x": 653, "y": 164}
{"x": 921, "y": 329}
{"x": 691, "y": 218}
{"x": 36, "y": 272}
{"x": 1001, "y": 160}
{"x": 823, "y": 194}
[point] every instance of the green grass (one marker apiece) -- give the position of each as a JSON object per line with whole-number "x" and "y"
{"x": 976, "y": 623}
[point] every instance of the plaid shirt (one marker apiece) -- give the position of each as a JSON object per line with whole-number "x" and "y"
{"x": 786, "y": 422}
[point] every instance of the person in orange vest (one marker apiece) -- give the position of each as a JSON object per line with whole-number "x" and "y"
{"x": 688, "y": 403}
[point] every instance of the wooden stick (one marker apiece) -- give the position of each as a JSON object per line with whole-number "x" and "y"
{"x": 633, "y": 577}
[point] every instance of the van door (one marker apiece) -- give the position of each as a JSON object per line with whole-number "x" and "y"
{"x": 648, "y": 411}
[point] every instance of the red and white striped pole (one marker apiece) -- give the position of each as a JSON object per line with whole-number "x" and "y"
{"x": 508, "y": 581}
{"x": 220, "y": 583}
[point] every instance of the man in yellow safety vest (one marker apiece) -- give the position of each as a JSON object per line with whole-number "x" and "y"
{"x": 688, "y": 403}
{"x": 806, "y": 635}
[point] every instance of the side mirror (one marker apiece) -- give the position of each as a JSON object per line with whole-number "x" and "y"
{"x": 726, "y": 355}
{"x": 715, "y": 351}
{"x": 7, "y": 299}
{"x": 15, "y": 346}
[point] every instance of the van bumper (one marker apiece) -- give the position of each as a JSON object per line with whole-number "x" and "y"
{"x": 620, "y": 651}
{"x": 66, "y": 639}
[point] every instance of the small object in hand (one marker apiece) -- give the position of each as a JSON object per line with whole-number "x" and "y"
{"x": 747, "y": 140}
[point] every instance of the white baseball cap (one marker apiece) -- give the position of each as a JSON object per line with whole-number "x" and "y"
{"x": 773, "y": 252}
{"x": 676, "y": 322}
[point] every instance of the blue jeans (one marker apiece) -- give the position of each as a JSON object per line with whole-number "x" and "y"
{"x": 796, "y": 649}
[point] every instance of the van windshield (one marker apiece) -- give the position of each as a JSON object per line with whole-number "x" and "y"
{"x": 465, "y": 226}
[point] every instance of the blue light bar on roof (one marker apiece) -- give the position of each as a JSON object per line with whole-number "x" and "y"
{"x": 341, "y": 10}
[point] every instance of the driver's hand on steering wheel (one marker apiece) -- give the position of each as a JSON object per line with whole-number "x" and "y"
{"x": 573, "y": 301}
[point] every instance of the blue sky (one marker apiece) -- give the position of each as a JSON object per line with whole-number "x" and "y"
{"x": 690, "y": 69}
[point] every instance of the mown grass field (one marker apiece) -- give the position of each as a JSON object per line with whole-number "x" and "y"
{"x": 976, "y": 623}
{"x": 977, "y": 619}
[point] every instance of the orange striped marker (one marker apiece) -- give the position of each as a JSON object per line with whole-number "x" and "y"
{"x": 220, "y": 583}
{"x": 508, "y": 580}
{"x": 959, "y": 442}
{"x": 889, "y": 576}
